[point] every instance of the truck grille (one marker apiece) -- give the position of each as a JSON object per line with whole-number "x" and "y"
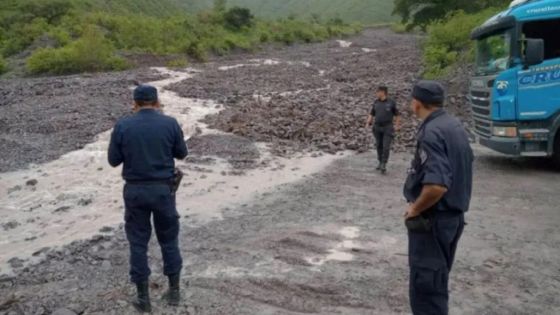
{"x": 480, "y": 102}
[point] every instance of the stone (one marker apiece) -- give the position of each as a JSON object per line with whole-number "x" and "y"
{"x": 63, "y": 311}
{"x": 31, "y": 182}
{"x": 106, "y": 265}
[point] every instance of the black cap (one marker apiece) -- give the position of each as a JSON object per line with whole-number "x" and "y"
{"x": 429, "y": 92}
{"x": 145, "y": 93}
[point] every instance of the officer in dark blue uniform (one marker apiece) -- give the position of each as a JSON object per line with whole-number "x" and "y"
{"x": 146, "y": 143}
{"x": 387, "y": 120}
{"x": 438, "y": 189}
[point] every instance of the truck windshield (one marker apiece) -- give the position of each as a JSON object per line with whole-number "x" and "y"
{"x": 493, "y": 53}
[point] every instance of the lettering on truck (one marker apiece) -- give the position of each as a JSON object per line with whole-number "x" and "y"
{"x": 540, "y": 78}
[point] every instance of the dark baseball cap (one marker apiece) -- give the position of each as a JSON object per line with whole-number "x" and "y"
{"x": 429, "y": 92}
{"x": 145, "y": 93}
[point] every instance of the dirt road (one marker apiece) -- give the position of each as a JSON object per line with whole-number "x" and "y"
{"x": 306, "y": 233}
{"x": 333, "y": 243}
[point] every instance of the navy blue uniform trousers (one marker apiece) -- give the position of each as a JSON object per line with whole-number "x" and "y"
{"x": 431, "y": 256}
{"x": 141, "y": 201}
{"x": 383, "y": 138}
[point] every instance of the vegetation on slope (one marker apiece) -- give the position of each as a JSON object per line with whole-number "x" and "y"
{"x": 423, "y": 12}
{"x": 60, "y": 36}
{"x": 363, "y": 11}
{"x": 448, "y": 42}
{"x": 448, "y": 24}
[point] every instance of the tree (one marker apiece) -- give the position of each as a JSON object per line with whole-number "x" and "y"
{"x": 422, "y": 12}
{"x": 237, "y": 18}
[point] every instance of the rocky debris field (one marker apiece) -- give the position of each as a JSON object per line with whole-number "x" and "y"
{"x": 298, "y": 98}
{"x": 310, "y": 97}
{"x": 43, "y": 118}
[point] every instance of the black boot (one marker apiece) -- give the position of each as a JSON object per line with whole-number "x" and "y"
{"x": 172, "y": 296}
{"x": 142, "y": 301}
{"x": 383, "y": 168}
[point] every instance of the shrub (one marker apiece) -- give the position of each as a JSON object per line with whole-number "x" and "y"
{"x": 178, "y": 63}
{"x": 51, "y": 10}
{"x": 92, "y": 52}
{"x": 399, "y": 28}
{"x": 22, "y": 35}
{"x": 449, "y": 42}
{"x": 237, "y": 18}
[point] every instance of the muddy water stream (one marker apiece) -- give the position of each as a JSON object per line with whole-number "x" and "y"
{"x": 78, "y": 194}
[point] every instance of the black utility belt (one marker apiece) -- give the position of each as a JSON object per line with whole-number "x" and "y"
{"x": 383, "y": 124}
{"x": 173, "y": 182}
{"x": 424, "y": 222}
{"x": 150, "y": 182}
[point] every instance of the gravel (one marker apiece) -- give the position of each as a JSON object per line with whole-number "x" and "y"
{"x": 311, "y": 97}
{"x": 44, "y": 118}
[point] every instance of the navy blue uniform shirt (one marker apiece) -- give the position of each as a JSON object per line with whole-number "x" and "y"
{"x": 384, "y": 111}
{"x": 147, "y": 143}
{"x": 443, "y": 157}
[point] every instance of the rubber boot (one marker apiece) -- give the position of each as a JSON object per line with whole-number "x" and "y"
{"x": 173, "y": 296}
{"x": 383, "y": 168}
{"x": 142, "y": 301}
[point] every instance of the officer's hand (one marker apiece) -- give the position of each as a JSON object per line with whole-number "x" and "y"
{"x": 411, "y": 213}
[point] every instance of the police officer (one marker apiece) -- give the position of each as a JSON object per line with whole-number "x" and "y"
{"x": 385, "y": 112}
{"x": 146, "y": 143}
{"x": 438, "y": 189}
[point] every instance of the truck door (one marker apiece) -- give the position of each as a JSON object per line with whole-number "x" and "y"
{"x": 539, "y": 85}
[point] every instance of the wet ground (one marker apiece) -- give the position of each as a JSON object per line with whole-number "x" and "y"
{"x": 301, "y": 233}
{"x": 333, "y": 243}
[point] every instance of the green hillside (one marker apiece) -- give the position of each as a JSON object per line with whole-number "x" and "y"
{"x": 70, "y": 36}
{"x": 148, "y": 7}
{"x": 364, "y": 11}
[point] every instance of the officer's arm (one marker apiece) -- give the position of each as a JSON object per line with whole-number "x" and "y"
{"x": 180, "y": 150}
{"x": 115, "y": 156}
{"x": 370, "y": 116}
{"x": 429, "y": 196}
{"x": 397, "y": 116}
{"x": 436, "y": 173}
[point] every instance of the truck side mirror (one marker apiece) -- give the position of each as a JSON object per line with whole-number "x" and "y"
{"x": 534, "y": 51}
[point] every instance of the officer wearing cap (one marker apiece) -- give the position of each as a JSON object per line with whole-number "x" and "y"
{"x": 385, "y": 112}
{"x": 147, "y": 143}
{"x": 438, "y": 190}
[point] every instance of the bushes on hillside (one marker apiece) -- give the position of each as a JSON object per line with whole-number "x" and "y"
{"x": 92, "y": 52}
{"x": 449, "y": 42}
{"x": 63, "y": 38}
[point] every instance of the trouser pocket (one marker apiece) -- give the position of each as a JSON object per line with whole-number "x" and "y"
{"x": 428, "y": 280}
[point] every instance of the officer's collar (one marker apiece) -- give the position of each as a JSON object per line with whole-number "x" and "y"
{"x": 431, "y": 117}
{"x": 147, "y": 110}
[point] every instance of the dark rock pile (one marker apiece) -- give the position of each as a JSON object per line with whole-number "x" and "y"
{"x": 311, "y": 97}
